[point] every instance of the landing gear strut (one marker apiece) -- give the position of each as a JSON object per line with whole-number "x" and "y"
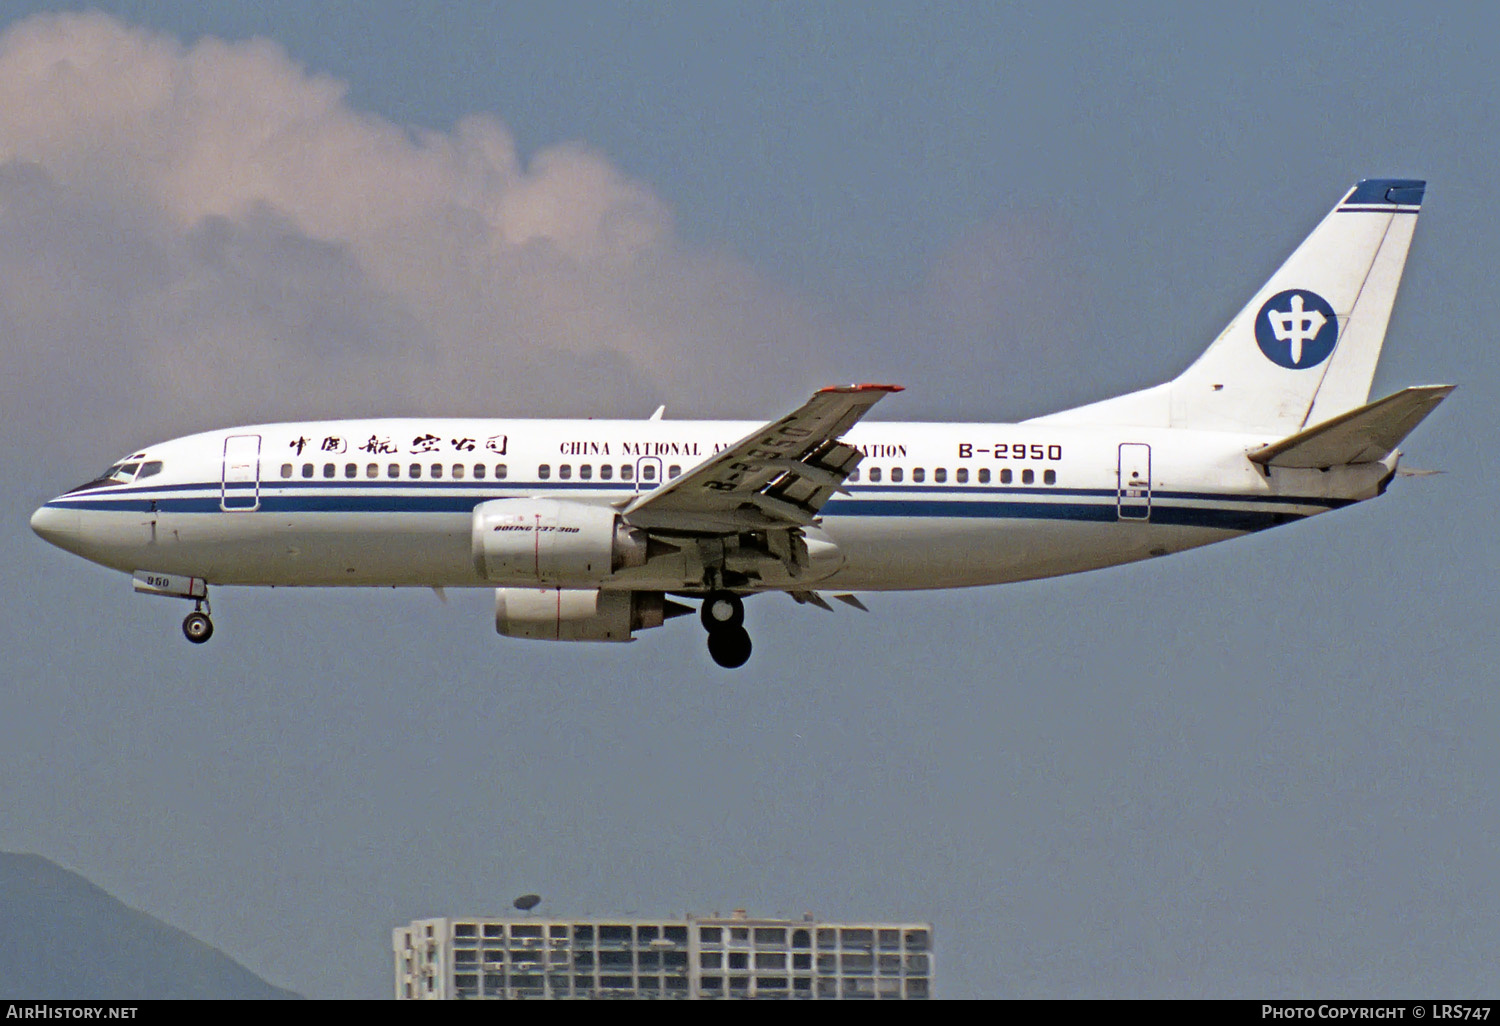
{"x": 197, "y": 627}
{"x": 723, "y": 616}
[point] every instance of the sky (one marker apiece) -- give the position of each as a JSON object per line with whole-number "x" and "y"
{"x": 1261, "y": 768}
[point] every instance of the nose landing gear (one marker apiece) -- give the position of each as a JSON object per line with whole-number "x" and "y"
{"x": 197, "y": 627}
{"x": 723, "y": 616}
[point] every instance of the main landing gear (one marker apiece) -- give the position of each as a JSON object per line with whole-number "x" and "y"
{"x": 723, "y": 615}
{"x": 197, "y": 627}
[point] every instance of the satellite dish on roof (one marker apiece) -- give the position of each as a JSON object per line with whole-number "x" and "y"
{"x": 527, "y": 902}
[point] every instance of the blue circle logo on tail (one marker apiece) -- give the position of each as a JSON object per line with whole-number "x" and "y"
{"x": 1296, "y": 329}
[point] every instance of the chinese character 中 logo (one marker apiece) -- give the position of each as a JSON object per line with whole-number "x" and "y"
{"x": 1296, "y": 329}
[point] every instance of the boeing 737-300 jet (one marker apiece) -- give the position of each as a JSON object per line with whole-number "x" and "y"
{"x": 591, "y": 530}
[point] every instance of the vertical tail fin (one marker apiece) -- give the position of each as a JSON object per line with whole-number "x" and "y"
{"x": 1305, "y": 347}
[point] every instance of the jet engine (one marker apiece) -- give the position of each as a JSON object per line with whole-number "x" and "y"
{"x": 580, "y": 614}
{"x": 552, "y": 541}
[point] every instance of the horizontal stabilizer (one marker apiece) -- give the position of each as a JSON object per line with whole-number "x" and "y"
{"x": 1364, "y": 435}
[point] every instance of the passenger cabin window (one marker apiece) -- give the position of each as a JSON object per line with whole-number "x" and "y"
{"x": 351, "y": 469}
{"x": 853, "y": 477}
{"x": 648, "y": 472}
{"x": 499, "y": 471}
{"x": 307, "y": 470}
{"x": 458, "y": 471}
{"x": 544, "y": 471}
{"x": 874, "y": 475}
{"x": 1005, "y": 476}
{"x": 627, "y": 472}
{"x": 674, "y": 471}
{"x": 984, "y": 475}
{"x": 606, "y": 471}
{"x": 372, "y": 470}
{"x": 565, "y": 471}
{"x": 329, "y": 470}
{"x": 961, "y": 475}
{"x": 437, "y": 470}
{"x": 919, "y": 475}
{"x": 1049, "y": 477}
{"x": 940, "y": 475}
{"x": 586, "y": 472}
{"x": 394, "y": 470}
{"x": 1027, "y": 476}
{"x": 896, "y": 475}
{"x": 286, "y": 470}
{"x": 479, "y": 471}
{"x": 415, "y": 470}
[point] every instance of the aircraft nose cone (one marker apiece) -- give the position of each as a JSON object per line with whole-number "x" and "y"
{"x": 58, "y": 526}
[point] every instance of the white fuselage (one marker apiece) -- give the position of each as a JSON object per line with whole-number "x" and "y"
{"x": 390, "y": 502}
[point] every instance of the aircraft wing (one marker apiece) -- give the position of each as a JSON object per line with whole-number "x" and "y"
{"x": 777, "y": 477}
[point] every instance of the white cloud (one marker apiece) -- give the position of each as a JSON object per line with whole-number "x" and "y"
{"x": 195, "y": 235}
{"x": 207, "y": 234}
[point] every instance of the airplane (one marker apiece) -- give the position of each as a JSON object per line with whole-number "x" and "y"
{"x": 591, "y": 530}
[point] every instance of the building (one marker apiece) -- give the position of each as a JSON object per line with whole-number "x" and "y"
{"x": 693, "y": 957}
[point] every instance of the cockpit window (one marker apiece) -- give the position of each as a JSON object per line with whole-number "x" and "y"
{"x": 149, "y": 470}
{"x": 120, "y": 473}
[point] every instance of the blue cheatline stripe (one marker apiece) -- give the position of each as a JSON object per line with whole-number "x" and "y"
{"x": 133, "y": 499}
{"x": 1166, "y": 509}
{"x": 1379, "y": 210}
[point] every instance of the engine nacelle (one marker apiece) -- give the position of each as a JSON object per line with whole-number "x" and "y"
{"x": 550, "y": 541}
{"x": 579, "y": 614}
